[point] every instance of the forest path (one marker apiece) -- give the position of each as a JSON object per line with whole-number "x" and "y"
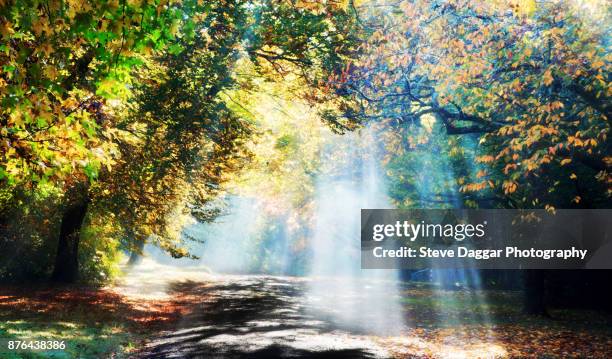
{"x": 263, "y": 316}
{"x": 243, "y": 316}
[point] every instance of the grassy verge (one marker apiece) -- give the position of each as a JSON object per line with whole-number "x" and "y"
{"x": 92, "y": 322}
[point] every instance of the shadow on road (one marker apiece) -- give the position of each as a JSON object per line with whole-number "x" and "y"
{"x": 255, "y": 317}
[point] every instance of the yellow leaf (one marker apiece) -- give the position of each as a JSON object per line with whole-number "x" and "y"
{"x": 46, "y": 48}
{"x": 485, "y": 159}
{"x": 509, "y": 186}
{"x": 598, "y": 64}
{"x": 548, "y": 77}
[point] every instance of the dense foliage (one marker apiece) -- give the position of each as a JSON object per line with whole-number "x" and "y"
{"x": 113, "y": 115}
{"x": 527, "y": 81}
{"x": 123, "y": 121}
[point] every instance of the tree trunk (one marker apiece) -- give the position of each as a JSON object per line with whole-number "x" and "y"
{"x": 136, "y": 253}
{"x": 535, "y": 291}
{"x": 67, "y": 261}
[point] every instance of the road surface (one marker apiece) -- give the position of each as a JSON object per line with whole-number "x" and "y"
{"x": 240, "y": 316}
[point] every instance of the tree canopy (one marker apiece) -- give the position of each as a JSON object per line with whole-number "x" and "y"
{"x": 130, "y": 118}
{"x": 114, "y": 109}
{"x": 528, "y": 80}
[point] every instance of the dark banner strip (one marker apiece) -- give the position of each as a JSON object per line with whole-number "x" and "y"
{"x": 486, "y": 239}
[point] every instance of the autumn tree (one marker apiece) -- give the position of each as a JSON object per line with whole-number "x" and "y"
{"x": 184, "y": 141}
{"x": 526, "y": 81}
{"x": 195, "y": 127}
{"x": 530, "y": 80}
{"x": 81, "y": 114}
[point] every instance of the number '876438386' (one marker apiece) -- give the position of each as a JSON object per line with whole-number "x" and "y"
{"x": 20, "y": 345}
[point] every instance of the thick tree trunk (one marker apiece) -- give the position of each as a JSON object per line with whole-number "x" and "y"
{"x": 535, "y": 292}
{"x": 67, "y": 261}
